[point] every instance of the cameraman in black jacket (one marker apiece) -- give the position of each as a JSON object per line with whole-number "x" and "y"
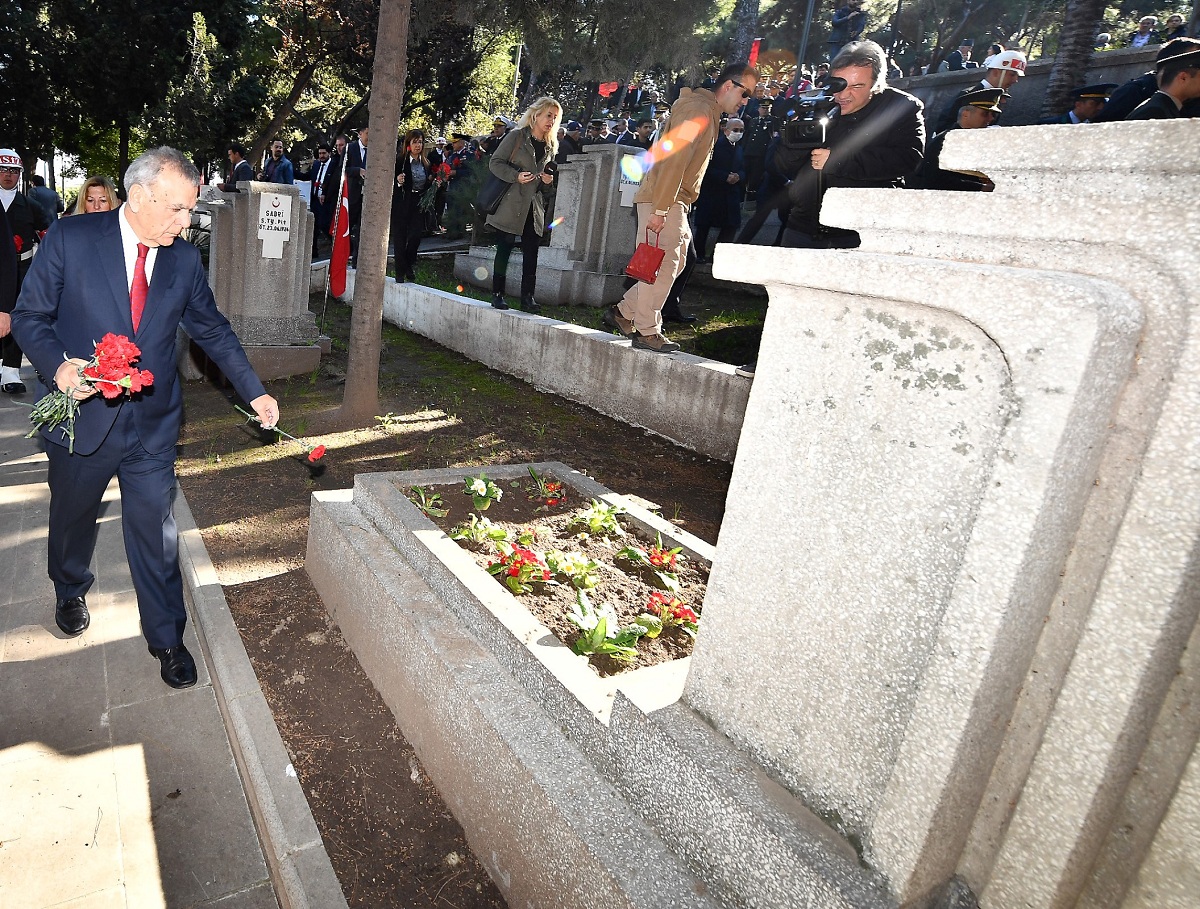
{"x": 876, "y": 138}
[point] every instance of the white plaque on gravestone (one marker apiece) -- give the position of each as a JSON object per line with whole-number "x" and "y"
{"x": 631, "y": 170}
{"x": 274, "y": 223}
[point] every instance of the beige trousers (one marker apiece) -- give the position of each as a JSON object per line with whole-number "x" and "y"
{"x": 643, "y": 303}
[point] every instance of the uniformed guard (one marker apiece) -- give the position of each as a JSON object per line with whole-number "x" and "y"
{"x": 27, "y": 222}
{"x": 1086, "y": 103}
{"x": 978, "y": 109}
{"x": 1177, "y": 68}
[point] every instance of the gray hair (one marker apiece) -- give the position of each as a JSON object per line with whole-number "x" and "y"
{"x": 863, "y": 53}
{"x": 149, "y": 165}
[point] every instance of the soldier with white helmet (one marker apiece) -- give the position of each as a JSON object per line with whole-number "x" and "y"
{"x": 1001, "y": 71}
{"x": 26, "y": 221}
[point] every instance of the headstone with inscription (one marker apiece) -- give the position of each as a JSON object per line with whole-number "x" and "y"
{"x": 260, "y": 254}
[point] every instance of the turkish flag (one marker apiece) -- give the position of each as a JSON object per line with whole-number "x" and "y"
{"x": 340, "y": 231}
{"x": 753, "y": 61}
{"x": 607, "y": 88}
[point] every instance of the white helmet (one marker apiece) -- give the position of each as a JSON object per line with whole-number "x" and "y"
{"x": 1011, "y": 60}
{"x": 9, "y": 158}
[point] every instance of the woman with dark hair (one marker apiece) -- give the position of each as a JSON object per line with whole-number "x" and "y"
{"x": 521, "y": 159}
{"x": 416, "y": 172}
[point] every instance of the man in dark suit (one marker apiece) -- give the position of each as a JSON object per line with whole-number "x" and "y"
{"x": 356, "y": 174}
{"x": 123, "y": 272}
{"x": 320, "y": 204}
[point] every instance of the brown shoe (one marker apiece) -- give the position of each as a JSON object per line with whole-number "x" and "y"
{"x": 613, "y": 319}
{"x": 657, "y": 342}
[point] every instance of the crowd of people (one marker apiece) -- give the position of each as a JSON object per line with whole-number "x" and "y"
{"x": 752, "y": 149}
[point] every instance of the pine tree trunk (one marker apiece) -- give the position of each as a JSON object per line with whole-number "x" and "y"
{"x": 360, "y": 400}
{"x": 1076, "y": 43}
{"x": 745, "y": 24}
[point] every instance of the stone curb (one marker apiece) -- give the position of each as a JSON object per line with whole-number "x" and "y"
{"x": 301, "y": 872}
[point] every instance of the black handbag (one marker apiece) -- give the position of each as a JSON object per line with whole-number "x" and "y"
{"x": 492, "y": 192}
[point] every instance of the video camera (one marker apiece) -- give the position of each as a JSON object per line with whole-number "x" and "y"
{"x": 803, "y": 122}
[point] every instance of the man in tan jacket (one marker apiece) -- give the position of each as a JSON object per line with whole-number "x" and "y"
{"x": 671, "y": 184}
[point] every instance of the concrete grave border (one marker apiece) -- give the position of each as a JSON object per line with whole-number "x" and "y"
{"x": 301, "y": 872}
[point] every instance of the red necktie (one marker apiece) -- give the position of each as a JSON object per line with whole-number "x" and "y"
{"x": 137, "y": 293}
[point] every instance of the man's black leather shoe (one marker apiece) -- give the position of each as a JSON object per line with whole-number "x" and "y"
{"x": 675, "y": 314}
{"x": 13, "y": 388}
{"x": 178, "y": 667}
{"x": 71, "y": 616}
{"x": 529, "y": 304}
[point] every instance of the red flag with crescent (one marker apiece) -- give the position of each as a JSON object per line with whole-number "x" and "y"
{"x": 340, "y": 231}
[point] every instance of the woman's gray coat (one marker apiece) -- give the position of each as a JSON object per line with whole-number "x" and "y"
{"x": 514, "y": 207}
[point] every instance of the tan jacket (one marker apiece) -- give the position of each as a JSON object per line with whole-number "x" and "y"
{"x": 679, "y": 167}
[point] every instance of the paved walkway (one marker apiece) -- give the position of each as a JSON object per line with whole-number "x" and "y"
{"x": 116, "y": 790}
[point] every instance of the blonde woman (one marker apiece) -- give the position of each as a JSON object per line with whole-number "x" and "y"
{"x": 525, "y": 159}
{"x": 96, "y": 194}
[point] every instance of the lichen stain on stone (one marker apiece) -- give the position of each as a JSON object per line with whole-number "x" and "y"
{"x": 1056, "y": 390}
{"x": 809, "y": 333}
{"x": 830, "y": 404}
{"x": 879, "y": 348}
{"x": 964, "y": 448}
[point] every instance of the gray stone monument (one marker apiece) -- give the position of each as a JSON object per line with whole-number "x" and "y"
{"x": 260, "y": 255}
{"x": 591, "y": 245}
{"x": 975, "y": 455}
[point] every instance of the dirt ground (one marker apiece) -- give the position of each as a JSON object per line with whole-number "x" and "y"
{"x": 391, "y": 838}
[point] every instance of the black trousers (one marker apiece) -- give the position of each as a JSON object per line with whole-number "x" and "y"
{"x": 531, "y": 242}
{"x": 77, "y": 483}
{"x": 408, "y": 227}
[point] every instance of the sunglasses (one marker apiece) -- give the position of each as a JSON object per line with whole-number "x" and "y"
{"x": 745, "y": 93}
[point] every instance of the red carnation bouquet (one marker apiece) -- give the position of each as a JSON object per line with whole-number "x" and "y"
{"x": 110, "y": 370}
{"x": 441, "y": 174}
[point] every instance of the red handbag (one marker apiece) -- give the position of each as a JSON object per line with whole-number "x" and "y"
{"x": 646, "y": 261}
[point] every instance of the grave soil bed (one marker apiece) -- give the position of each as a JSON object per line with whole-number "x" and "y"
{"x": 624, "y": 587}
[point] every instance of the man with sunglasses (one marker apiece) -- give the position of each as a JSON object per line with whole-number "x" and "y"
{"x": 670, "y": 186}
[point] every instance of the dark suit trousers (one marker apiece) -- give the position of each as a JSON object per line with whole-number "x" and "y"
{"x": 147, "y": 481}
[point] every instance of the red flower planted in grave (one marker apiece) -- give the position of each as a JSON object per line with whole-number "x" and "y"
{"x": 662, "y": 559}
{"x": 671, "y": 610}
{"x": 316, "y": 454}
{"x": 519, "y": 568}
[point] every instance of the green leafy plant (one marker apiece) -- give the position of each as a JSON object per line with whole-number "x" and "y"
{"x": 387, "y": 420}
{"x": 663, "y": 612}
{"x": 600, "y": 632}
{"x": 483, "y": 492}
{"x": 428, "y": 502}
{"x": 580, "y": 571}
{"x": 659, "y": 561}
{"x": 549, "y": 491}
{"x": 478, "y": 530}
{"x": 519, "y": 569}
{"x": 599, "y": 519}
